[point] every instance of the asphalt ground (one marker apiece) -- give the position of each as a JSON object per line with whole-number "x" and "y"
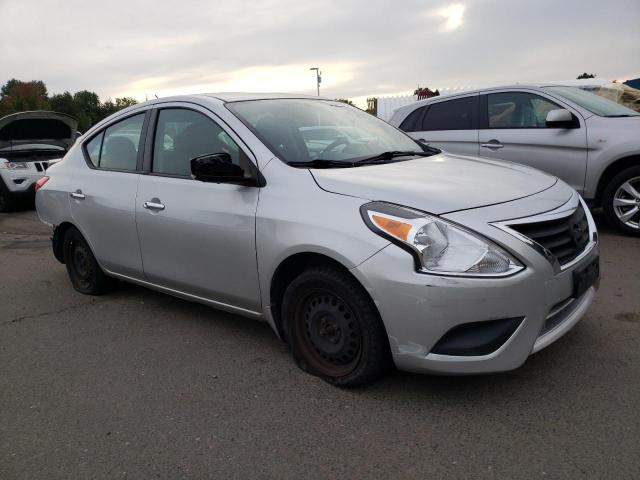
{"x": 139, "y": 385}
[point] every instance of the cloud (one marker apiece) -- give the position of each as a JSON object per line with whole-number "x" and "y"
{"x": 364, "y": 47}
{"x": 295, "y": 78}
{"x": 452, "y": 16}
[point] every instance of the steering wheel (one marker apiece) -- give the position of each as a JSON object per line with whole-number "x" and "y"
{"x": 336, "y": 143}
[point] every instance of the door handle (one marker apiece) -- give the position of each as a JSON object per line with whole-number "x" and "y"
{"x": 153, "y": 206}
{"x": 492, "y": 144}
{"x": 78, "y": 195}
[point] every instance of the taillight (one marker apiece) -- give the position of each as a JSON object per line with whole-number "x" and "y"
{"x": 41, "y": 182}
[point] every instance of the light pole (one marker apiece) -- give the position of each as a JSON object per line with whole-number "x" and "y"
{"x": 318, "y": 77}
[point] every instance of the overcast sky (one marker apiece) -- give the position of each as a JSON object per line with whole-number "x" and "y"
{"x": 364, "y": 47}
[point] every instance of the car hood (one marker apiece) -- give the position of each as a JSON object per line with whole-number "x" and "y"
{"x": 439, "y": 184}
{"x": 37, "y": 127}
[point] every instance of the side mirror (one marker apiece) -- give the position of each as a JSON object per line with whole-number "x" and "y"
{"x": 217, "y": 168}
{"x": 560, "y": 118}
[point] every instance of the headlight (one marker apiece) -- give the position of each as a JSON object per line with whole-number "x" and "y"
{"x": 438, "y": 246}
{"x": 14, "y": 165}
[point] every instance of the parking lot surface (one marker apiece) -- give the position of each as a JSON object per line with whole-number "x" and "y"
{"x": 136, "y": 384}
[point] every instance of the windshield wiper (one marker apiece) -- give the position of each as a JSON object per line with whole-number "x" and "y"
{"x": 357, "y": 162}
{"x": 386, "y": 156}
{"x": 321, "y": 163}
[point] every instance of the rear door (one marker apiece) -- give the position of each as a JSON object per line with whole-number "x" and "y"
{"x": 513, "y": 127}
{"x": 451, "y": 125}
{"x": 197, "y": 237}
{"x": 103, "y": 195}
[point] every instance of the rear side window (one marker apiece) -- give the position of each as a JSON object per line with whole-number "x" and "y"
{"x": 93, "y": 149}
{"x": 458, "y": 114}
{"x": 116, "y": 148}
{"x": 410, "y": 124}
{"x": 183, "y": 134}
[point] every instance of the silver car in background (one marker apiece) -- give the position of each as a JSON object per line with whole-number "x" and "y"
{"x": 588, "y": 141}
{"x": 360, "y": 248}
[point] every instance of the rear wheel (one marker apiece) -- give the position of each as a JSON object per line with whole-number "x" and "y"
{"x": 7, "y": 201}
{"x": 84, "y": 272}
{"x": 333, "y": 328}
{"x": 621, "y": 201}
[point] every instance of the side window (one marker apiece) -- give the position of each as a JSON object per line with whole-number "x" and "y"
{"x": 518, "y": 110}
{"x": 458, "y": 114}
{"x": 410, "y": 124}
{"x": 94, "y": 147}
{"x": 116, "y": 148}
{"x": 183, "y": 134}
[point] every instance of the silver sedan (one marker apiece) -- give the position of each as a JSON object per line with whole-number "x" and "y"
{"x": 362, "y": 248}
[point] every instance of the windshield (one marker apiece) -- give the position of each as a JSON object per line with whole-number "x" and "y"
{"x": 593, "y": 103}
{"x": 304, "y": 130}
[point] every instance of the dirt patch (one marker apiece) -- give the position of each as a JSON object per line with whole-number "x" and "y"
{"x": 632, "y": 317}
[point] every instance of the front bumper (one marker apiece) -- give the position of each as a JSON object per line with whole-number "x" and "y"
{"x": 418, "y": 310}
{"x": 20, "y": 181}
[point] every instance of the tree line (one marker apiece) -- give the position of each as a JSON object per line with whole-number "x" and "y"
{"x": 85, "y": 106}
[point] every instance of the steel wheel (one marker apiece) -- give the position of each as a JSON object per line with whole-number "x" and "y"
{"x": 81, "y": 264}
{"x": 333, "y": 328}
{"x": 84, "y": 272}
{"x": 626, "y": 203}
{"x": 329, "y": 333}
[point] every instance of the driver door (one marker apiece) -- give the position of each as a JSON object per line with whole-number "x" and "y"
{"x": 513, "y": 128}
{"x": 195, "y": 237}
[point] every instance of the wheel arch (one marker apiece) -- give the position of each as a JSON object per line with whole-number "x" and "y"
{"x": 611, "y": 171}
{"x": 288, "y": 269}
{"x": 58, "y": 240}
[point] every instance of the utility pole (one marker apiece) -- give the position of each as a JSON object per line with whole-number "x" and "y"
{"x": 318, "y": 77}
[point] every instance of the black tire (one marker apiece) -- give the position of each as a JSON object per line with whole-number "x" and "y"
{"x": 84, "y": 272}
{"x": 333, "y": 329}
{"x": 7, "y": 200}
{"x": 612, "y": 192}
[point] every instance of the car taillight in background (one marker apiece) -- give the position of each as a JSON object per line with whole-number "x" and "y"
{"x": 40, "y": 182}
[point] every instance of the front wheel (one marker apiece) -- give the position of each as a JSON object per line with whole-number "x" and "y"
{"x": 621, "y": 201}
{"x": 333, "y": 329}
{"x": 84, "y": 272}
{"x": 7, "y": 202}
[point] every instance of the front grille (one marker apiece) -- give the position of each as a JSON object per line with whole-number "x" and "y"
{"x": 565, "y": 238}
{"x": 41, "y": 166}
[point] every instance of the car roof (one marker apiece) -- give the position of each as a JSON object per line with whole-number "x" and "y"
{"x": 406, "y": 109}
{"x": 244, "y": 96}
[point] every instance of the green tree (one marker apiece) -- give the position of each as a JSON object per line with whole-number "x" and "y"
{"x": 110, "y": 107}
{"x": 586, "y": 75}
{"x": 88, "y": 109}
{"x": 18, "y": 96}
{"x": 63, "y": 103}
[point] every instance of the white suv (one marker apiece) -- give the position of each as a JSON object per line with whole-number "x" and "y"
{"x": 590, "y": 142}
{"x": 30, "y": 142}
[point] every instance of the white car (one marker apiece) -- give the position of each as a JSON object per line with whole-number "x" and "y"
{"x": 29, "y": 143}
{"x": 590, "y": 142}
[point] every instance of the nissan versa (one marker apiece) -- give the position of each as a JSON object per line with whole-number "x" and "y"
{"x": 360, "y": 247}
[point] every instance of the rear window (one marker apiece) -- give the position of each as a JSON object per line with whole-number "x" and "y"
{"x": 458, "y": 114}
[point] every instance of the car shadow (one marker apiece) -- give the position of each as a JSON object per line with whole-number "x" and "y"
{"x": 396, "y": 386}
